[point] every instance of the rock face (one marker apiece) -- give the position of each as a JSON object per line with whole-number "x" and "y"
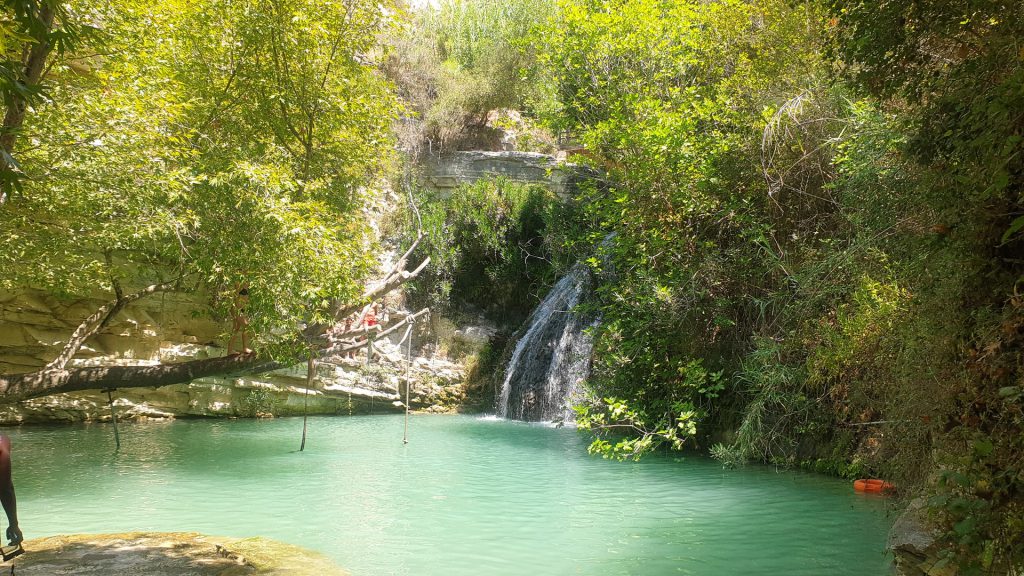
{"x": 446, "y": 172}
{"x": 168, "y": 554}
{"x": 170, "y": 328}
{"x": 165, "y": 326}
{"x": 915, "y": 544}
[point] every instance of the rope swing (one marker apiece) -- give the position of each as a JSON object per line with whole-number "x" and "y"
{"x": 113, "y": 417}
{"x": 407, "y": 338}
{"x": 310, "y": 374}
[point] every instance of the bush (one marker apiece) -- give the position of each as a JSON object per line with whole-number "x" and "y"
{"x": 488, "y": 248}
{"x": 457, "y": 63}
{"x": 258, "y": 403}
{"x": 729, "y": 456}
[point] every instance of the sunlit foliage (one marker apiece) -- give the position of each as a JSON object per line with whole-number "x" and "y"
{"x": 218, "y": 144}
{"x": 671, "y": 99}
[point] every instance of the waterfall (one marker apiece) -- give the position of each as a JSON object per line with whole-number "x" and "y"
{"x": 552, "y": 357}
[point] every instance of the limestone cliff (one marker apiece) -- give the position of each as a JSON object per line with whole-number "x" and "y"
{"x": 444, "y": 173}
{"x": 172, "y": 328}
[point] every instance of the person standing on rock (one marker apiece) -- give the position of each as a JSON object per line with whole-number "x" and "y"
{"x": 7, "y": 498}
{"x": 371, "y": 325}
{"x": 348, "y": 341}
{"x": 240, "y": 320}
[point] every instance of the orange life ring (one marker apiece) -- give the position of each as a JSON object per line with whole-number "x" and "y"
{"x": 872, "y": 485}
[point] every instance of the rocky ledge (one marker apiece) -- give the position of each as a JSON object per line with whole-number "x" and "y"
{"x": 34, "y": 326}
{"x": 167, "y": 554}
{"x": 915, "y": 544}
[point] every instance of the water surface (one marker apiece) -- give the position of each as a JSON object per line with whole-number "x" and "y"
{"x": 465, "y": 496}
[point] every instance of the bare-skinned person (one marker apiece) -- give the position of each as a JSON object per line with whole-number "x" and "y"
{"x": 240, "y": 321}
{"x": 7, "y": 498}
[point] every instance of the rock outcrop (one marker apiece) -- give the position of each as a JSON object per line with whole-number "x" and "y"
{"x": 446, "y": 172}
{"x": 173, "y": 328}
{"x": 915, "y": 544}
{"x": 168, "y": 554}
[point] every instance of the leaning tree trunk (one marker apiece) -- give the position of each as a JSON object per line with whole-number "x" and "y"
{"x": 96, "y": 321}
{"x": 46, "y": 382}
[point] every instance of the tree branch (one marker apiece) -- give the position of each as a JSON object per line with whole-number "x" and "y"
{"x": 341, "y": 347}
{"x": 95, "y": 322}
{"x": 44, "y": 383}
{"x": 394, "y": 278}
{"x": 55, "y": 378}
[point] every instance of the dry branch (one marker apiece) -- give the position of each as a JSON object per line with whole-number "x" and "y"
{"x": 96, "y": 321}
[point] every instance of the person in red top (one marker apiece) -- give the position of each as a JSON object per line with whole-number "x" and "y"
{"x": 370, "y": 326}
{"x": 370, "y": 320}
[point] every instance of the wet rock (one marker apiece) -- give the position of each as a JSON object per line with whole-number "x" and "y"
{"x": 475, "y": 335}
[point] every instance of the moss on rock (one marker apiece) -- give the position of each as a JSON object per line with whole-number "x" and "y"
{"x": 168, "y": 554}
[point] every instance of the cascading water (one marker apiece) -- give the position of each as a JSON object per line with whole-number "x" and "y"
{"x": 552, "y": 357}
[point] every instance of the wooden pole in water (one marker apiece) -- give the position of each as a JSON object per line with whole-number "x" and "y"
{"x": 113, "y": 417}
{"x": 310, "y": 374}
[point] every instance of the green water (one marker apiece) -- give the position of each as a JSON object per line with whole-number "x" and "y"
{"x": 466, "y": 496}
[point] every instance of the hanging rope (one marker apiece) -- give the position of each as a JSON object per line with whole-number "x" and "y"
{"x": 366, "y": 370}
{"x": 310, "y": 374}
{"x": 113, "y": 417}
{"x": 407, "y": 336}
{"x": 408, "y": 380}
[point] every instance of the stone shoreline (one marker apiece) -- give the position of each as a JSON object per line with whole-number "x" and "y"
{"x": 167, "y": 554}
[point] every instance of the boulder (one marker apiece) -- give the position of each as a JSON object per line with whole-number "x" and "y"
{"x": 915, "y": 545}
{"x": 476, "y": 336}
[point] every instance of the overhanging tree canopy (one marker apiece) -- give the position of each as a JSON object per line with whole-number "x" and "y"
{"x": 200, "y": 147}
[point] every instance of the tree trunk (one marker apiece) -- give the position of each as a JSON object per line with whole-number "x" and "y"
{"x": 46, "y": 382}
{"x": 37, "y": 384}
{"x": 95, "y": 322}
{"x": 55, "y": 378}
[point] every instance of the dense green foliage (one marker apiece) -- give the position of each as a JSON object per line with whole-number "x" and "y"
{"x": 954, "y": 74}
{"x": 807, "y": 235}
{"x": 816, "y": 217}
{"x": 213, "y": 144}
{"x": 457, "y": 67}
{"x": 675, "y": 114}
{"x": 30, "y": 31}
{"x": 489, "y": 248}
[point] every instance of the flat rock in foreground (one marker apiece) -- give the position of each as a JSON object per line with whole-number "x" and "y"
{"x": 167, "y": 554}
